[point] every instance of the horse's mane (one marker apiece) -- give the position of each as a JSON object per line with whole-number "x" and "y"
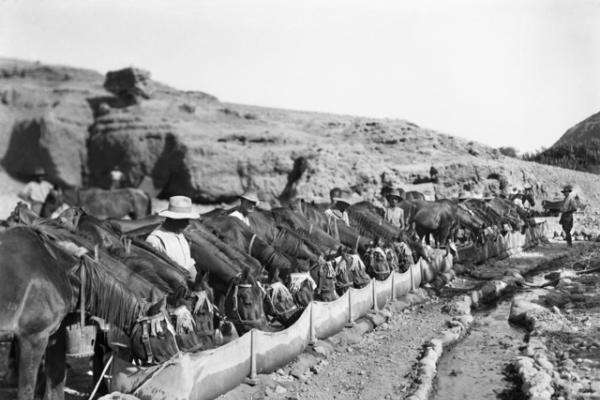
{"x": 230, "y": 252}
{"x": 369, "y": 224}
{"x": 108, "y": 297}
{"x": 111, "y": 299}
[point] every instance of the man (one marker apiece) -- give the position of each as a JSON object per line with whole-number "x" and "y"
{"x": 334, "y": 193}
{"x": 393, "y": 213}
{"x": 248, "y": 203}
{"x": 169, "y": 239}
{"x": 433, "y": 174}
{"x": 568, "y": 209}
{"x": 116, "y": 177}
{"x": 338, "y": 207}
{"x": 36, "y": 191}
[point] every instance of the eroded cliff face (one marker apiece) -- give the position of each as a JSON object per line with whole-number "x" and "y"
{"x": 177, "y": 142}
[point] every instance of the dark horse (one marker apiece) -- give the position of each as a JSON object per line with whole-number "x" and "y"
{"x": 103, "y": 204}
{"x": 42, "y": 285}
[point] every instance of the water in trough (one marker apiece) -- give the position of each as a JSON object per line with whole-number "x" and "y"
{"x": 476, "y": 367}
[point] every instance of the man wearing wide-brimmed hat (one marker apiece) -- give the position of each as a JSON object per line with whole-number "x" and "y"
{"x": 36, "y": 191}
{"x": 248, "y": 202}
{"x": 394, "y": 214}
{"x": 169, "y": 239}
{"x": 338, "y": 208}
{"x": 567, "y": 210}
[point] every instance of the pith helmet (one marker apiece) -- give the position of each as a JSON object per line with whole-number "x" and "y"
{"x": 344, "y": 199}
{"x": 250, "y": 196}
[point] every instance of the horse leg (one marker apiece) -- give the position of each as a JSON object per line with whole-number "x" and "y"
{"x": 55, "y": 366}
{"x": 31, "y": 349}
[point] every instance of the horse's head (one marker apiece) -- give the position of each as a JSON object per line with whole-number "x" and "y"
{"x": 411, "y": 238}
{"x": 54, "y": 200}
{"x": 22, "y": 214}
{"x": 377, "y": 264}
{"x": 325, "y": 276}
{"x": 244, "y": 303}
{"x": 405, "y": 256}
{"x": 355, "y": 268}
{"x": 153, "y": 336}
{"x": 202, "y": 304}
{"x": 302, "y": 287}
{"x": 70, "y": 217}
{"x": 279, "y": 302}
{"x": 344, "y": 276}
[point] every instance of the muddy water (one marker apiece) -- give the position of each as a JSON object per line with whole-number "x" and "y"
{"x": 475, "y": 368}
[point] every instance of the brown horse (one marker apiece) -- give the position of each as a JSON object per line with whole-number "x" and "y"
{"x": 42, "y": 285}
{"x": 101, "y": 203}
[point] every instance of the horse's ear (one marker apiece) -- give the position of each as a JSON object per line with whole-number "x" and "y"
{"x": 156, "y": 303}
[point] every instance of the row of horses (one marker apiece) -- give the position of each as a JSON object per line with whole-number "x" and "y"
{"x": 149, "y": 308}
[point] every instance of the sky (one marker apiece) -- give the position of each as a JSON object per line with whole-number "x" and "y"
{"x": 505, "y": 73}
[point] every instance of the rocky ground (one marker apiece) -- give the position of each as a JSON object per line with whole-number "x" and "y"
{"x": 381, "y": 364}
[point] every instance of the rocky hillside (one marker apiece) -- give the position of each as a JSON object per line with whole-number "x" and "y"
{"x": 578, "y": 148}
{"x": 80, "y": 124}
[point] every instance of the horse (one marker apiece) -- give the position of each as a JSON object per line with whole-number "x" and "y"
{"x": 103, "y": 204}
{"x": 509, "y": 213}
{"x": 466, "y": 218}
{"x": 345, "y": 234}
{"x": 43, "y": 280}
{"x": 196, "y": 296}
{"x": 238, "y": 235}
{"x": 297, "y": 222}
{"x": 364, "y": 218}
{"x": 414, "y": 195}
{"x": 237, "y": 292}
{"x": 150, "y": 285}
{"x": 438, "y": 219}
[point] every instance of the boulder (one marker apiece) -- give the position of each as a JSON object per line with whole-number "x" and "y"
{"x": 56, "y": 143}
{"x": 129, "y": 83}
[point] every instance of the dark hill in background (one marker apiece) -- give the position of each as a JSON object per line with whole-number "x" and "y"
{"x": 578, "y": 148}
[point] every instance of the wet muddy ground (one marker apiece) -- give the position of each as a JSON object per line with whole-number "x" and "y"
{"x": 476, "y": 367}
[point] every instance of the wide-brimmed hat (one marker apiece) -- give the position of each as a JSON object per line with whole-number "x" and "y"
{"x": 39, "y": 171}
{"x": 344, "y": 199}
{"x": 567, "y": 189}
{"x": 180, "y": 207}
{"x": 250, "y": 196}
{"x": 395, "y": 193}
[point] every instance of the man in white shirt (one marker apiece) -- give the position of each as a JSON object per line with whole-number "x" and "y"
{"x": 116, "y": 177}
{"x": 394, "y": 214}
{"x": 338, "y": 209}
{"x": 248, "y": 202}
{"x": 169, "y": 239}
{"x": 36, "y": 191}
{"x": 567, "y": 210}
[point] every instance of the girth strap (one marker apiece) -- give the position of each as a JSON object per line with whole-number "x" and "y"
{"x": 251, "y": 244}
{"x": 146, "y": 342}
